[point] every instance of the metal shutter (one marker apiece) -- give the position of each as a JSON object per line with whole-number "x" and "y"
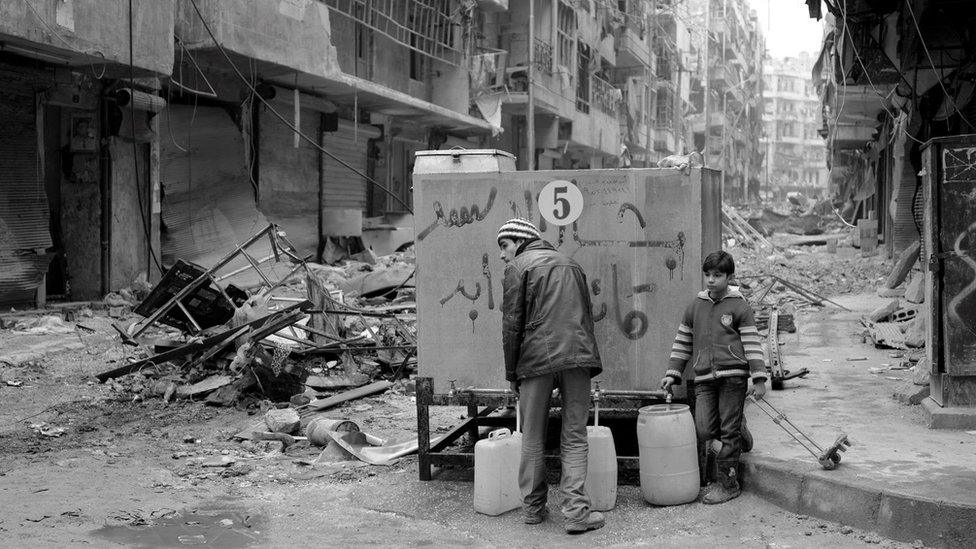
{"x": 24, "y": 214}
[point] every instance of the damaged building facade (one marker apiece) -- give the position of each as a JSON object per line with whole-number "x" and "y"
{"x": 727, "y": 125}
{"x": 795, "y": 151}
{"x": 190, "y": 148}
{"x": 101, "y": 187}
{"x": 895, "y": 80}
{"x": 79, "y": 179}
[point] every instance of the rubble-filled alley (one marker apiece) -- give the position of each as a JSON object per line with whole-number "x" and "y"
{"x": 488, "y": 273}
{"x": 215, "y": 424}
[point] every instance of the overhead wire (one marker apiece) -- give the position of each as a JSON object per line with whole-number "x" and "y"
{"x": 283, "y": 120}
{"x": 938, "y": 74}
{"x": 56, "y": 34}
{"x": 867, "y": 75}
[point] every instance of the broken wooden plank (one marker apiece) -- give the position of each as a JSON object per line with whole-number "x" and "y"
{"x": 320, "y": 404}
{"x": 212, "y": 383}
{"x": 201, "y": 345}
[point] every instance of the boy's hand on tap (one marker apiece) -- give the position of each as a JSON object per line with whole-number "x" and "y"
{"x": 666, "y": 383}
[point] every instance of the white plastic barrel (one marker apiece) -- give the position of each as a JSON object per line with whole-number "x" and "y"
{"x": 496, "y": 466}
{"x": 463, "y": 161}
{"x": 668, "y": 454}
{"x": 601, "y": 468}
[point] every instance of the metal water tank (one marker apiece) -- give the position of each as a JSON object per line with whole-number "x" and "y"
{"x": 463, "y": 161}
{"x": 639, "y": 234}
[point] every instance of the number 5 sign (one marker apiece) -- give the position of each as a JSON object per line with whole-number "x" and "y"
{"x": 560, "y": 202}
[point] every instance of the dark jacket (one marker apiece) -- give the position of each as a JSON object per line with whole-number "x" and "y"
{"x": 547, "y": 317}
{"x": 719, "y": 338}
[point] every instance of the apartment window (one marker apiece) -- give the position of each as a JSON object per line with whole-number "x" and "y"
{"x": 565, "y": 34}
{"x": 363, "y": 41}
{"x": 583, "y": 79}
{"x": 418, "y": 61}
{"x": 663, "y": 68}
{"x": 664, "y": 109}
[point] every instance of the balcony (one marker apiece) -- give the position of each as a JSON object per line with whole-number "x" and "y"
{"x": 664, "y": 141}
{"x": 597, "y": 133}
{"x": 257, "y": 30}
{"x": 604, "y": 96}
{"x": 697, "y": 121}
{"x": 99, "y": 31}
{"x": 493, "y": 6}
{"x": 632, "y": 44}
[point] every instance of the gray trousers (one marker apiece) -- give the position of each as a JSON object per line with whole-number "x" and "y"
{"x": 534, "y": 393}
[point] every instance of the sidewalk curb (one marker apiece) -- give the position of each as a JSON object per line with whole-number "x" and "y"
{"x": 799, "y": 488}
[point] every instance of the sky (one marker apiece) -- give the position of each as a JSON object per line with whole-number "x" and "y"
{"x": 788, "y": 27}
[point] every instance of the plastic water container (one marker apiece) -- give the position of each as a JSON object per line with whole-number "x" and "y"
{"x": 496, "y": 465}
{"x": 601, "y": 468}
{"x": 668, "y": 454}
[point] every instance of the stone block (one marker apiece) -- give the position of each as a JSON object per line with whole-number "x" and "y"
{"x": 921, "y": 371}
{"x": 284, "y": 420}
{"x": 911, "y": 394}
{"x": 915, "y": 291}
{"x": 891, "y": 292}
{"x": 884, "y": 311}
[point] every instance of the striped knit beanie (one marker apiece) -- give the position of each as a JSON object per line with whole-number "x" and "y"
{"x": 518, "y": 228}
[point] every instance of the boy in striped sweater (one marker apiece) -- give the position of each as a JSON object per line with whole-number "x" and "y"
{"x": 718, "y": 337}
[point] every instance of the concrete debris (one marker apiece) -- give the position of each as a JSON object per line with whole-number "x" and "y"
{"x": 284, "y": 420}
{"x": 45, "y": 429}
{"x": 884, "y": 312}
{"x": 903, "y": 266}
{"x": 44, "y": 325}
{"x": 911, "y": 394}
{"x": 921, "y": 372}
{"x": 915, "y": 290}
{"x": 757, "y": 271}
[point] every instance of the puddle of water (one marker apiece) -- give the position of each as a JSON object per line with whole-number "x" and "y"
{"x": 213, "y": 527}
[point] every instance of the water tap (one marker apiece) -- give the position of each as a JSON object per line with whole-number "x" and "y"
{"x": 597, "y": 393}
{"x": 453, "y": 389}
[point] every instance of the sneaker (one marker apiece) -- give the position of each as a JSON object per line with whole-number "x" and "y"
{"x": 725, "y": 489}
{"x": 535, "y": 518}
{"x": 593, "y": 522}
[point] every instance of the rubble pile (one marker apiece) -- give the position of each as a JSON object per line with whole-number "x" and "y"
{"x": 319, "y": 329}
{"x": 899, "y": 322}
{"x": 807, "y": 270}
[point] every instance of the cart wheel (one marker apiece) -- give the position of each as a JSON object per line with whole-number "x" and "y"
{"x": 836, "y": 458}
{"x": 828, "y": 464}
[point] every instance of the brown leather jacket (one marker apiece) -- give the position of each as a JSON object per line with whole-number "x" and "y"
{"x": 547, "y": 316}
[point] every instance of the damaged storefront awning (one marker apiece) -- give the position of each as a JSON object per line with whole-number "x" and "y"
{"x": 345, "y": 89}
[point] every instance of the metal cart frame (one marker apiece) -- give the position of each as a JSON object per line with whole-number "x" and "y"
{"x": 482, "y": 402}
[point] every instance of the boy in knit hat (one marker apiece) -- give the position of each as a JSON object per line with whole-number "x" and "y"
{"x": 718, "y": 337}
{"x": 548, "y": 341}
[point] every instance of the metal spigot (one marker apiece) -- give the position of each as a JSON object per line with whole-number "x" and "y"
{"x": 597, "y": 397}
{"x": 453, "y": 390}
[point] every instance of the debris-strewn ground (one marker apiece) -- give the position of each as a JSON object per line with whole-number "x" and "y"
{"x": 813, "y": 268}
{"x": 122, "y": 454}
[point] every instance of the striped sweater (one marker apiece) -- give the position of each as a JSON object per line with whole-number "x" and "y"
{"x": 719, "y": 338}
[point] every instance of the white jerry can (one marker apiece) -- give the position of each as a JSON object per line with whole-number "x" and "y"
{"x": 601, "y": 468}
{"x": 496, "y": 465}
